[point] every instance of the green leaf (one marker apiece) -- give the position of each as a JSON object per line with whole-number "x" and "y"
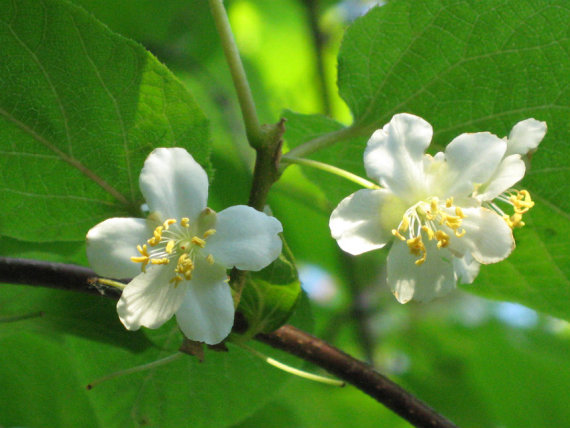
{"x": 81, "y": 108}
{"x": 48, "y": 360}
{"x": 270, "y": 295}
{"x": 467, "y": 67}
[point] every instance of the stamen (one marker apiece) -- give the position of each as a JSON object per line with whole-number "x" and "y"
{"x": 429, "y": 232}
{"x": 449, "y": 202}
{"x": 144, "y": 257}
{"x": 417, "y": 248}
{"x": 168, "y": 223}
{"x": 163, "y": 261}
{"x": 170, "y": 246}
{"x": 155, "y": 240}
{"x": 209, "y": 233}
{"x": 442, "y": 239}
{"x": 210, "y": 259}
{"x": 184, "y": 269}
{"x": 185, "y": 222}
{"x": 198, "y": 241}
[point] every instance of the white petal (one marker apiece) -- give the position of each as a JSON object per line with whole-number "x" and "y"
{"x": 488, "y": 237}
{"x": 207, "y": 313}
{"x": 471, "y": 160}
{"x": 112, "y": 243}
{"x": 435, "y": 277}
{"x": 509, "y": 172}
{"x": 466, "y": 269}
{"x": 245, "y": 238}
{"x": 150, "y": 299}
{"x": 394, "y": 154}
{"x": 525, "y": 136}
{"x": 364, "y": 220}
{"x": 173, "y": 184}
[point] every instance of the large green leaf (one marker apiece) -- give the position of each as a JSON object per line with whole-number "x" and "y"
{"x": 80, "y": 110}
{"x": 466, "y": 67}
{"x": 48, "y": 360}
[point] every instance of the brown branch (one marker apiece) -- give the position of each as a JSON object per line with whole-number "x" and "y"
{"x": 287, "y": 338}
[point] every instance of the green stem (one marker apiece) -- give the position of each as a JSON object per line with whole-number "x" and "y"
{"x": 334, "y": 170}
{"x": 319, "y": 143}
{"x": 291, "y": 370}
{"x": 247, "y": 105}
{"x": 136, "y": 369}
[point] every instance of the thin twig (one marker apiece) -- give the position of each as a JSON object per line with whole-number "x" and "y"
{"x": 287, "y": 338}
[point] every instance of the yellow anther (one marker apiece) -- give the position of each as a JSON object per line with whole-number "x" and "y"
{"x": 157, "y": 236}
{"x": 433, "y": 204}
{"x": 521, "y": 201}
{"x": 429, "y": 232}
{"x": 404, "y": 224}
{"x": 442, "y": 239}
{"x": 184, "y": 268}
{"x": 170, "y": 246}
{"x": 168, "y": 223}
{"x": 210, "y": 259}
{"x": 398, "y": 234}
{"x": 163, "y": 261}
{"x": 143, "y": 250}
{"x": 459, "y": 234}
{"x": 209, "y": 233}
{"x": 185, "y": 222}
{"x": 459, "y": 212}
{"x": 514, "y": 221}
{"x": 449, "y": 202}
{"x": 198, "y": 241}
{"x": 417, "y": 248}
{"x": 144, "y": 257}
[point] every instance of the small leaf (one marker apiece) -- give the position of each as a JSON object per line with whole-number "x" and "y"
{"x": 270, "y": 295}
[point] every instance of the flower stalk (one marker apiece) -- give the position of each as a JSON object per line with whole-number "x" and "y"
{"x": 334, "y": 170}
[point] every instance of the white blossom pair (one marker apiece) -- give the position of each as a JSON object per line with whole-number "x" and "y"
{"x": 180, "y": 254}
{"x": 444, "y": 213}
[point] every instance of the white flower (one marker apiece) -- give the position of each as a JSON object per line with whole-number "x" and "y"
{"x": 179, "y": 255}
{"x": 442, "y": 210}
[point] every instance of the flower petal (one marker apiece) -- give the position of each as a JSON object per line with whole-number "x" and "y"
{"x": 525, "y": 136}
{"x": 207, "y": 313}
{"x": 112, "y": 243}
{"x": 364, "y": 220}
{"x": 150, "y": 299}
{"x": 173, "y": 184}
{"x": 466, "y": 268}
{"x": 471, "y": 160}
{"x": 245, "y": 238}
{"x": 509, "y": 172}
{"x": 394, "y": 153}
{"x": 487, "y": 236}
{"x": 435, "y": 277}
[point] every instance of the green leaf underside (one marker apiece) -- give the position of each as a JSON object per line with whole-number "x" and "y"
{"x": 270, "y": 295}
{"x": 79, "y": 339}
{"x": 468, "y": 67}
{"x": 81, "y": 108}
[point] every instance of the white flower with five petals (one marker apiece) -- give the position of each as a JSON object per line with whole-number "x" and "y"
{"x": 180, "y": 254}
{"x": 443, "y": 211}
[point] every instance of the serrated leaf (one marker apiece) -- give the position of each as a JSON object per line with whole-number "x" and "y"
{"x": 81, "y": 108}
{"x": 270, "y": 295}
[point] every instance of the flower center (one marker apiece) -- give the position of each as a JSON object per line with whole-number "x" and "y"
{"x": 431, "y": 217}
{"x": 521, "y": 202}
{"x": 174, "y": 241}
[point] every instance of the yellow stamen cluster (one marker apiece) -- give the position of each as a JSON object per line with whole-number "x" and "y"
{"x": 178, "y": 243}
{"x": 428, "y": 217}
{"x": 183, "y": 269}
{"x": 521, "y": 202}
